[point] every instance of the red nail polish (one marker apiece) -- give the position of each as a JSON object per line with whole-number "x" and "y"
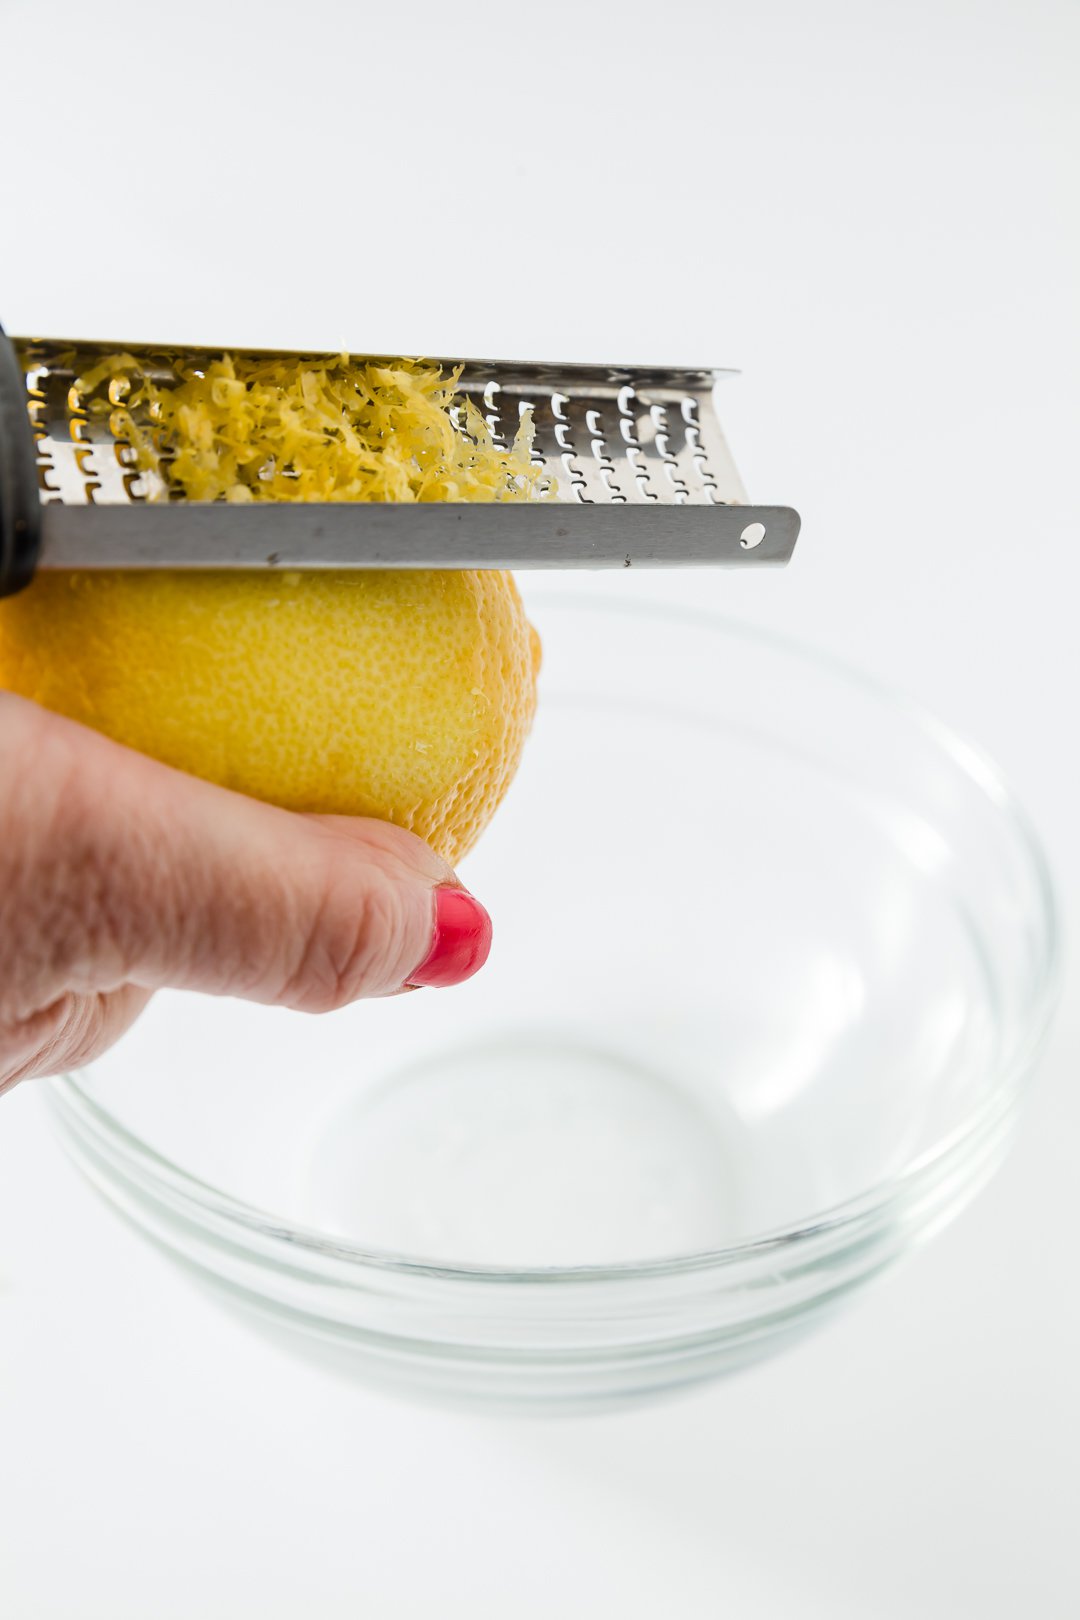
{"x": 461, "y": 944}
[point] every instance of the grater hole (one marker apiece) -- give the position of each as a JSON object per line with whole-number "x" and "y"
{"x": 562, "y": 432}
{"x": 574, "y": 477}
{"x": 634, "y": 452}
{"x": 752, "y": 536}
{"x": 537, "y": 458}
{"x": 493, "y": 415}
{"x": 664, "y": 425}
{"x": 595, "y": 425}
{"x": 696, "y": 446}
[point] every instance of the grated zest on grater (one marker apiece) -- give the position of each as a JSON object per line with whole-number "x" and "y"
{"x": 643, "y": 478}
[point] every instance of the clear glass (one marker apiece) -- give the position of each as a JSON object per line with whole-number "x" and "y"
{"x": 774, "y": 951}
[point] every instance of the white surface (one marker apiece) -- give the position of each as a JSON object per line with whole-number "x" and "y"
{"x": 872, "y": 209}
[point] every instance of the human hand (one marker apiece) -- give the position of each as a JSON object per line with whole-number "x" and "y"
{"x": 120, "y": 876}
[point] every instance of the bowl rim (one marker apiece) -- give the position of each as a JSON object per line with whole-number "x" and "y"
{"x": 70, "y": 1094}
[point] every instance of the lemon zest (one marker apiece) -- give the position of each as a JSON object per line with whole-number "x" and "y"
{"x": 246, "y": 428}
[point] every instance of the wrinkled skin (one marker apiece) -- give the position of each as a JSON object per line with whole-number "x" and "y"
{"x": 120, "y": 876}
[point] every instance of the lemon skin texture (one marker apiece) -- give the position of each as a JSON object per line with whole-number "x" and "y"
{"x": 402, "y": 694}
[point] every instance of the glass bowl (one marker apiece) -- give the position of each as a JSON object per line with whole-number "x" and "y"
{"x": 774, "y": 954}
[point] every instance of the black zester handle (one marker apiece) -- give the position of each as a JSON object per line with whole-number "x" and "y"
{"x": 20, "y": 503}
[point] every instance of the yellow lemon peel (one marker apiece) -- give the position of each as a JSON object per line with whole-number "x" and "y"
{"x": 244, "y": 428}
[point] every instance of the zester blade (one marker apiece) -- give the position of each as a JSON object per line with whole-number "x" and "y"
{"x": 642, "y": 471}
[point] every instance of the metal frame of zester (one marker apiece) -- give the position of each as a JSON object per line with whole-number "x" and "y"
{"x": 216, "y": 534}
{"x": 20, "y": 502}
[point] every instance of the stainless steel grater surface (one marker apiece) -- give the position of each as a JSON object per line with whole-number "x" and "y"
{"x": 643, "y": 477}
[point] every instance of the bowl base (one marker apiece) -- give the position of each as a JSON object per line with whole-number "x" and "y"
{"x": 526, "y": 1151}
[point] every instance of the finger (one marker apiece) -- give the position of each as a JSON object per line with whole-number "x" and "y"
{"x": 115, "y": 869}
{"x": 70, "y": 1032}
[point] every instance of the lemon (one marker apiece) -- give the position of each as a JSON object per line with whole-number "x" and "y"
{"x": 401, "y": 694}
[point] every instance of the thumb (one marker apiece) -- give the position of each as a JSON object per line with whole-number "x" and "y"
{"x": 117, "y": 870}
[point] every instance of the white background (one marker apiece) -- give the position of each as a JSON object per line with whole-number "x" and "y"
{"x": 870, "y": 208}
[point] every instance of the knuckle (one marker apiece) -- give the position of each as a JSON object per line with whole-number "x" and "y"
{"x": 51, "y": 1039}
{"x": 47, "y": 895}
{"x": 62, "y": 862}
{"x": 348, "y": 951}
